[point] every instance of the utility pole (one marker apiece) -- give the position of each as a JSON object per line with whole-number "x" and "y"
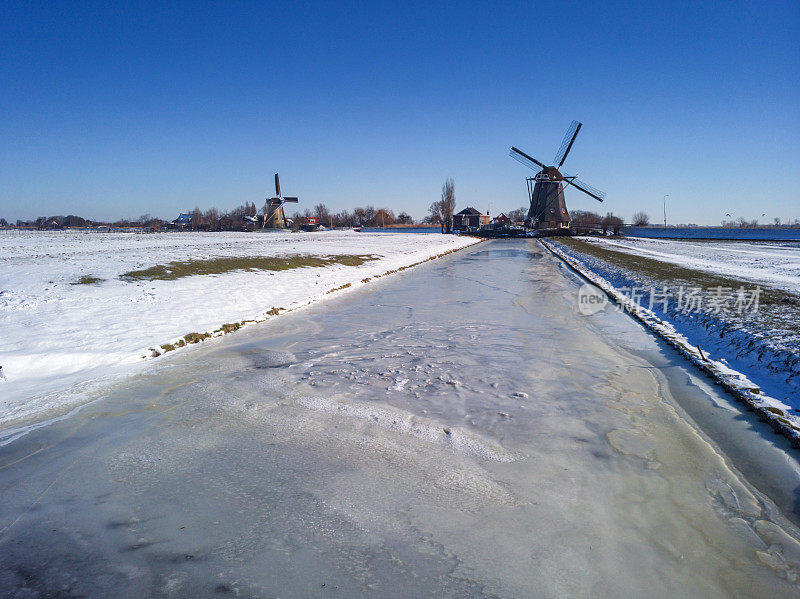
{"x": 665, "y": 210}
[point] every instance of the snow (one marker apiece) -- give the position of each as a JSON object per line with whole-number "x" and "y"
{"x": 773, "y": 264}
{"x": 59, "y": 339}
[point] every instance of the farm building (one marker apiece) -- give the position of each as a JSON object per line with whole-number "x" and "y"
{"x": 469, "y": 219}
{"x": 184, "y": 220}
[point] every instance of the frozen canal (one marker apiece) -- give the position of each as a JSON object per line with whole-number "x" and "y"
{"x": 457, "y": 430}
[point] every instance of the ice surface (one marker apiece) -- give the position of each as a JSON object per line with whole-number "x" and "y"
{"x": 58, "y": 337}
{"x": 528, "y": 452}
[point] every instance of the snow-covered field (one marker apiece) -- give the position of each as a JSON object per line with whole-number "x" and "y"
{"x": 766, "y": 263}
{"x": 57, "y": 338}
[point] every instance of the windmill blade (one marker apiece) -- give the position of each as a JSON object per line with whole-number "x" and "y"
{"x": 566, "y": 143}
{"x": 523, "y": 158}
{"x": 292, "y": 200}
{"x": 277, "y": 186}
{"x": 586, "y": 188}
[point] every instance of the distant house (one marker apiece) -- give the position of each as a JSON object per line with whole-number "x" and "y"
{"x": 501, "y": 219}
{"x": 183, "y": 221}
{"x": 308, "y": 223}
{"x": 469, "y": 219}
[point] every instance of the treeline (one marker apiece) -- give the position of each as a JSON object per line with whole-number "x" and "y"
{"x": 743, "y": 223}
{"x": 369, "y": 216}
{"x": 232, "y": 220}
{"x": 585, "y": 220}
{"x": 211, "y": 219}
{"x": 214, "y": 220}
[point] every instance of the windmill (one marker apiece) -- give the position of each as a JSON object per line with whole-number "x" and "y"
{"x": 274, "y": 218}
{"x": 546, "y": 189}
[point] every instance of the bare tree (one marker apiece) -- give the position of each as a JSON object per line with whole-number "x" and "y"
{"x": 343, "y": 219}
{"x": 211, "y": 219}
{"x": 404, "y": 218}
{"x": 448, "y": 203}
{"x": 611, "y": 223}
{"x": 359, "y": 215}
{"x": 640, "y": 219}
{"x": 518, "y": 215}
{"x": 322, "y": 214}
{"x": 585, "y": 220}
{"x": 197, "y": 218}
{"x": 777, "y": 221}
{"x": 435, "y": 214}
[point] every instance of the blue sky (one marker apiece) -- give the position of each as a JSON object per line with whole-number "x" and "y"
{"x": 116, "y": 111}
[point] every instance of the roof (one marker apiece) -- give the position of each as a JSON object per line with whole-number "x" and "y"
{"x": 183, "y": 218}
{"x": 470, "y": 211}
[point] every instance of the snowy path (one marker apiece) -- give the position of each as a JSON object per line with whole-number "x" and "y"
{"x": 60, "y": 339}
{"x": 455, "y": 431}
{"x": 773, "y": 264}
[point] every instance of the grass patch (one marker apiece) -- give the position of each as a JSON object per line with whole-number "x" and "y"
{"x": 87, "y": 280}
{"x": 216, "y": 266}
{"x": 230, "y": 327}
{"x": 335, "y": 289}
{"x": 196, "y": 337}
{"x": 167, "y": 347}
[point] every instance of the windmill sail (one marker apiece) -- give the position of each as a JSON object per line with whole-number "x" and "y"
{"x": 586, "y": 188}
{"x": 523, "y": 158}
{"x": 566, "y": 143}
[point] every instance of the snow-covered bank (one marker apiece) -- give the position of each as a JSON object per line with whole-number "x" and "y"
{"x": 58, "y": 335}
{"x": 782, "y": 416}
{"x": 776, "y": 264}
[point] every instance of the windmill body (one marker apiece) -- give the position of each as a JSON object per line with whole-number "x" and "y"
{"x": 274, "y": 216}
{"x": 548, "y": 208}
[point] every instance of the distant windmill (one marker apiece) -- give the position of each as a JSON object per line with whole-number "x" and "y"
{"x": 274, "y": 218}
{"x": 548, "y": 209}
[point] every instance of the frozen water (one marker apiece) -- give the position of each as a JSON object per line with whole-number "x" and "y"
{"x": 459, "y": 430}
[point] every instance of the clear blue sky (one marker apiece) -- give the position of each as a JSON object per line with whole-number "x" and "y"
{"x": 112, "y": 110}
